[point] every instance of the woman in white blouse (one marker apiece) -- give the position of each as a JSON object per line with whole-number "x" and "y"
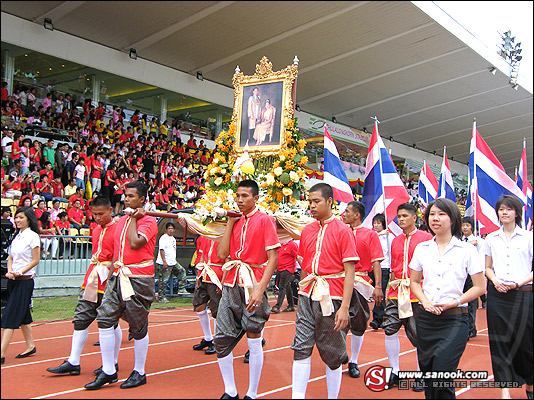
{"x": 24, "y": 254}
{"x": 509, "y": 272}
{"x": 442, "y": 323}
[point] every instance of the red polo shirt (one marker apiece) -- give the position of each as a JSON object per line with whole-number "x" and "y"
{"x": 208, "y": 249}
{"x": 368, "y": 247}
{"x": 402, "y": 248}
{"x": 324, "y": 249}
{"x": 252, "y": 236}
{"x": 75, "y": 214}
{"x": 102, "y": 238}
{"x": 146, "y": 227}
{"x": 287, "y": 256}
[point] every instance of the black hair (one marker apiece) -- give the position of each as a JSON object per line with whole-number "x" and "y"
{"x": 358, "y": 207}
{"x": 451, "y": 209}
{"x": 512, "y": 202}
{"x": 32, "y": 218}
{"x": 325, "y": 189}
{"x": 470, "y": 221}
{"x": 62, "y": 214}
{"x": 45, "y": 220}
{"x": 6, "y": 209}
{"x": 169, "y": 224}
{"x": 101, "y": 201}
{"x": 380, "y": 218}
{"x": 408, "y": 207}
{"x": 140, "y": 188}
{"x": 249, "y": 183}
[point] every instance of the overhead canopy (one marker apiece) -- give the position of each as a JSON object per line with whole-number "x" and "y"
{"x": 424, "y": 82}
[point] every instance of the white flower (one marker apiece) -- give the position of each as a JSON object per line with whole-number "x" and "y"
{"x": 270, "y": 180}
{"x": 287, "y": 191}
{"x": 294, "y": 176}
{"x": 230, "y": 192}
{"x": 216, "y": 160}
{"x": 282, "y": 158}
{"x": 218, "y": 181}
{"x": 214, "y": 170}
{"x": 223, "y": 171}
{"x": 278, "y": 171}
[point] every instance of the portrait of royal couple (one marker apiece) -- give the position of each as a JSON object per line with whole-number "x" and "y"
{"x": 261, "y": 118}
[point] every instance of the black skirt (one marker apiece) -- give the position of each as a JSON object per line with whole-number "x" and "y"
{"x": 441, "y": 341}
{"x": 17, "y": 311}
{"x": 510, "y": 335}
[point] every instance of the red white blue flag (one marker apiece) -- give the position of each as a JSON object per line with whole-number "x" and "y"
{"x": 526, "y": 188}
{"x": 383, "y": 190}
{"x": 488, "y": 181}
{"x": 446, "y": 186}
{"x": 428, "y": 185}
{"x": 334, "y": 174}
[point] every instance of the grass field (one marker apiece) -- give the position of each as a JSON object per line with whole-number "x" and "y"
{"x": 56, "y": 308}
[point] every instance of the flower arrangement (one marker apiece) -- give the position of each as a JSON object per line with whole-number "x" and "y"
{"x": 282, "y": 178}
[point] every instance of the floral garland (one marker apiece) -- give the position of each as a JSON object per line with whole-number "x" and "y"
{"x": 281, "y": 190}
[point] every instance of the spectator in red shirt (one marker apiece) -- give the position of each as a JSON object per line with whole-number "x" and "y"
{"x": 62, "y": 225}
{"x": 287, "y": 257}
{"x": 58, "y": 190}
{"x": 76, "y": 216}
{"x": 41, "y": 208}
{"x": 44, "y": 189}
{"x": 78, "y": 196}
{"x": 48, "y": 171}
{"x": 36, "y": 153}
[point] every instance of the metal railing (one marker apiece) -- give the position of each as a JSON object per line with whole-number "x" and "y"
{"x": 64, "y": 255}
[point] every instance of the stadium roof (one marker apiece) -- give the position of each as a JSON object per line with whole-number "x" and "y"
{"x": 423, "y": 75}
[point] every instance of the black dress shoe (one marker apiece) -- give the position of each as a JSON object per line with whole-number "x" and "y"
{"x": 29, "y": 353}
{"x": 210, "y": 349}
{"x": 247, "y": 354}
{"x": 472, "y": 335}
{"x": 289, "y": 309}
{"x": 393, "y": 381}
{"x": 98, "y": 371}
{"x": 275, "y": 309}
{"x": 134, "y": 380}
{"x": 227, "y": 396}
{"x": 96, "y": 344}
{"x": 375, "y": 325}
{"x": 419, "y": 385}
{"x": 203, "y": 344}
{"x": 101, "y": 380}
{"x": 354, "y": 371}
{"x": 3, "y": 360}
{"x": 65, "y": 368}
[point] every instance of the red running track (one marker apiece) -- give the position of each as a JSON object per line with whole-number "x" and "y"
{"x": 175, "y": 370}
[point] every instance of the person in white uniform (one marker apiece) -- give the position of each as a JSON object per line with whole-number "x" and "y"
{"x": 509, "y": 311}
{"x": 442, "y": 322}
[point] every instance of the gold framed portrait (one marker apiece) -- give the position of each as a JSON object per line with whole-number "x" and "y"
{"x": 263, "y": 103}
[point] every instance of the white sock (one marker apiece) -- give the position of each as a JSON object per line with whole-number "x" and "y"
{"x": 333, "y": 381}
{"x": 255, "y": 365}
{"x": 204, "y": 319}
{"x": 140, "y": 351}
{"x": 301, "y": 376}
{"x": 118, "y": 341}
{"x": 226, "y": 365}
{"x": 106, "y": 337}
{"x": 393, "y": 351}
{"x": 355, "y": 346}
{"x": 78, "y": 341}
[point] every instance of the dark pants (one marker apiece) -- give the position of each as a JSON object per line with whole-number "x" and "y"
{"x": 284, "y": 288}
{"x": 378, "y": 311}
{"x": 472, "y": 308}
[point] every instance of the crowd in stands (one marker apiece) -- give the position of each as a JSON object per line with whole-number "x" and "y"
{"x": 59, "y": 178}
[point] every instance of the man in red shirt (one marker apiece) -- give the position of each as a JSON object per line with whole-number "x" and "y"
{"x": 287, "y": 258}
{"x": 251, "y": 242}
{"x": 130, "y": 289}
{"x": 208, "y": 288}
{"x": 57, "y": 190}
{"x": 76, "y": 216}
{"x": 43, "y": 188}
{"x": 328, "y": 253}
{"x": 93, "y": 287}
{"x": 401, "y": 305}
{"x": 371, "y": 255}
{"x": 78, "y": 196}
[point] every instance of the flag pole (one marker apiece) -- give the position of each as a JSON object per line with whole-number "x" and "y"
{"x": 381, "y": 180}
{"x": 474, "y": 192}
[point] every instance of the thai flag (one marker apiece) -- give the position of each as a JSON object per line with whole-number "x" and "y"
{"x": 446, "y": 186}
{"x": 524, "y": 185}
{"x": 488, "y": 181}
{"x": 383, "y": 190}
{"x": 428, "y": 185}
{"x": 334, "y": 174}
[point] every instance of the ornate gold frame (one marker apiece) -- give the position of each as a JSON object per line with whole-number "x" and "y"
{"x": 264, "y": 74}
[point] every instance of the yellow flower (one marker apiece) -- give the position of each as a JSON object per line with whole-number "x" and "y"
{"x": 287, "y": 192}
{"x": 290, "y": 124}
{"x": 218, "y": 181}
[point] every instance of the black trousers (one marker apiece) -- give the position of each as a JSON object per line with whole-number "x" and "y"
{"x": 472, "y": 307}
{"x": 284, "y": 288}
{"x": 378, "y": 311}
